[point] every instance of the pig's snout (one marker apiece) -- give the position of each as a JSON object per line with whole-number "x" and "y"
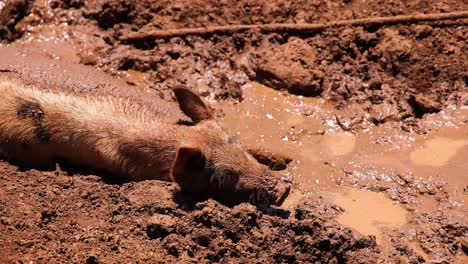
{"x": 281, "y": 191}
{"x": 278, "y": 188}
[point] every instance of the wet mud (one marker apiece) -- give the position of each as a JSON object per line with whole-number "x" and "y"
{"x": 369, "y": 124}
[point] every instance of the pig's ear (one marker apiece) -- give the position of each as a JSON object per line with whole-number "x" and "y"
{"x": 188, "y": 169}
{"x": 192, "y": 105}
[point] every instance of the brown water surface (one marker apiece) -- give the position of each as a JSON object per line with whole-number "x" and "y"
{"x": 325, "y": 156}
{"x": 368, "y": 212}
{"x": 437, "y": 151}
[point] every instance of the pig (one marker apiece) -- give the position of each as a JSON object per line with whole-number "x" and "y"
{"x": 128, "y": 140}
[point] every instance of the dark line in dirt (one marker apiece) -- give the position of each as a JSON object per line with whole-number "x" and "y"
{"x": 309, "y": 28}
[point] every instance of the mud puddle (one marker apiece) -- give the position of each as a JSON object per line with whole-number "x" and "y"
{"x": 290, "y": 125}
{"x": 325, "y": 158}
{"x": 370, "y": 213}
{"x": 436, "y": 161}
{"x": 437, "y": 151}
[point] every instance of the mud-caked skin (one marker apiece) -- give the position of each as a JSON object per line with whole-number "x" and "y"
{"x": 126, "y": 139}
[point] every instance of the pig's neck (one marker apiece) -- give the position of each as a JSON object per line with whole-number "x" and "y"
{"x": 148, "y": 150}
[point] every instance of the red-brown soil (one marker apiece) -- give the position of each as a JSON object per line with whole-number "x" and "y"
{"x": 393, "y": 91}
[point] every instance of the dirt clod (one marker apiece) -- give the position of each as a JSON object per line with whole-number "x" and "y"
{"x": 160, "y": 226}
{"x": 10, "y": 15}
{"x": 424, "y": 104}
{"x": 291, "y": 66}
{"x": 422, "y": 31}
{"x": 92, "y": 260}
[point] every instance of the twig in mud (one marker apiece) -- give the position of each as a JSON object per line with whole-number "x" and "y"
{"x": 342, "y": 125}
{"x": 350, "y": 126}
{"x": 302, "y": 28}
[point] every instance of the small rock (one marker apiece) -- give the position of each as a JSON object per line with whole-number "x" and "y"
{"x": 92, "y": 260}
{"x": 375, "y": 84}
{"x": 394, "y": 44}
{"x": 247, "y": 213}
{"x": 88, "y": 59}
{"x": 114, "y": 12}
{"x": 464, "y": 245}
{"x": 423, "y": 104}
{"x": 47, "y": 215}
{"x": 160, "y": 226}
{"x": 422, "y": 31}
{"x": 291, "y": 66}
{"x": 202, "y": 237}
{"x": 244, "y": 209}
{"x": 366, "y": 39}
{"x": 10, "y": 15}
{"x": 442, "y": 232}
{"x": 382, "y": 113}
{"x": 173, "y": 245}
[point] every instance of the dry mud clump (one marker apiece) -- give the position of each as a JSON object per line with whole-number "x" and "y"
{"x": 48, "y": 216}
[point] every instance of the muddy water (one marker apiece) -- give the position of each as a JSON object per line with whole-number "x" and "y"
{"x": 369, "y": 212}
{"x": 437, "y": 151}
{"x": 440, "y": 157}
{"x": 271, "y": 119}
{"x": 339, "y": 143}
{"x": 325, "y": 157}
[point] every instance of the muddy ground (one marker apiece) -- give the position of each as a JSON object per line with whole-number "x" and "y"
{"x": 375, "y": 121}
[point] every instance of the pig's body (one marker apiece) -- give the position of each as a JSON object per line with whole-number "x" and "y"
{"x": 39, "y": 127}
{"x": 130, "y": 141}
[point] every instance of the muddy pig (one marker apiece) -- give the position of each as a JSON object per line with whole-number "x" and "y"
{"x": 126, "y": 139}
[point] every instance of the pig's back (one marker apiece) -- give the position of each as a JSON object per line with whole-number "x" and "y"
{"x": 33, "y": 68}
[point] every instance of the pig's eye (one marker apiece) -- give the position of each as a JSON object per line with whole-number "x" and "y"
{"x": 232, "y": 140}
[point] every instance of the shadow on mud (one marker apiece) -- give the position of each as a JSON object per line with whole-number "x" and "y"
{"x": 185, "y": 200}
{"x": 65, "y": 168}
{"x": 188, "y": 202}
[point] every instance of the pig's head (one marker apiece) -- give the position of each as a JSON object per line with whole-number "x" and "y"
{"x": 212, "y": 162}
